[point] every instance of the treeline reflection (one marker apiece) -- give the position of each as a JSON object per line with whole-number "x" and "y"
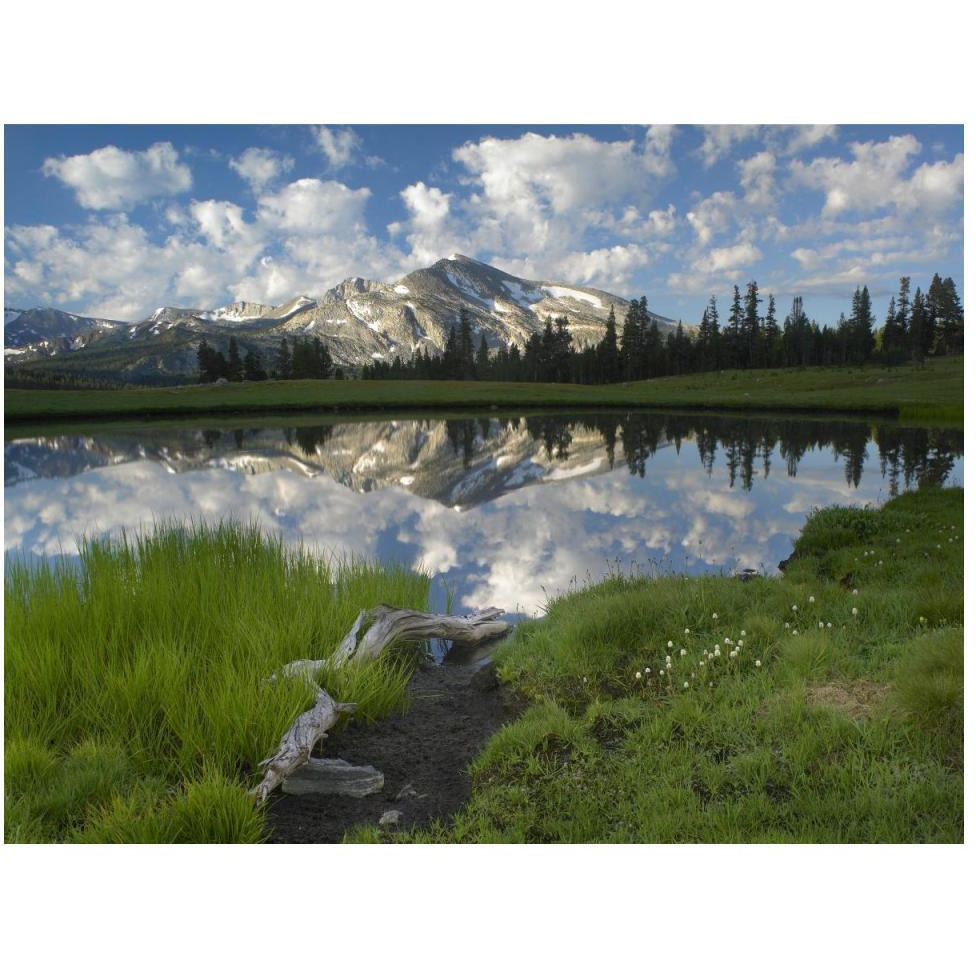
{"x": 909, "y": 456}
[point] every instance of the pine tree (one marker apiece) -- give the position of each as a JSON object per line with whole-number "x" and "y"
{"x": 465, "y": 347}
{"x": 608, "y": 354}
{"x": 919, "y": 328}
{"x": 734, "y": 331}
{"x": 252, "y": 367}
{"x": 631, "y": 344}
{"x": 482, "y": 362}
{"x": 771, "y": 333}
{"x": 235, "y": 368}
{"x": 282, "y": 367}
{"x": 947, "y": 315}
{"x": 451, "y": 359}
{"x": 205, "y": 362}
{"x": 893, "y": 336}
{"x": 752, "y": 336}
{"x": 861, "y": 327}
{"x": 904, "y": 305}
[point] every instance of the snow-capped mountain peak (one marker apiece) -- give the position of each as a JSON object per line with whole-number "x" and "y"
{"x": 359, "y": 320}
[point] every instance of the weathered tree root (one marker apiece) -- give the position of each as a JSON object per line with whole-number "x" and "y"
{"x": 385, "y": 626}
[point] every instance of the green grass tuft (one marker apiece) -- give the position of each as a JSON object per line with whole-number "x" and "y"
{"x": 136, "y": 700}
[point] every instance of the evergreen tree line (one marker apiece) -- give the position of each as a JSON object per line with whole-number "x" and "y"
{"x": 16, "y": 378}
{"x": 928, "y": 324}
{"x": 299, "y": 359}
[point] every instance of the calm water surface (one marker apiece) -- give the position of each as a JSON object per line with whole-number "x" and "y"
{"x": 503, "y": 510}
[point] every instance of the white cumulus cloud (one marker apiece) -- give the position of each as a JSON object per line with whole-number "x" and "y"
{"x": 259, "y": 167}
{"x": 340, "y": 146}
{"x": 115, "y": 179}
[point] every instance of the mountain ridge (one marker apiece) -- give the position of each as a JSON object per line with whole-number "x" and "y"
{"x": 359, "y": 320}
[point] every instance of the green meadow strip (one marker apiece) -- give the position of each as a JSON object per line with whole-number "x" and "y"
{"x": 938, "y": 385}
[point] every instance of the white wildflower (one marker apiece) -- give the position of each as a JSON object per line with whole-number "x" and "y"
{"x": 758, "y": 663}
{"x": 638, "y": 675}
{"x": 853, "y": 611}
{"x": 812, "y": 600}
{"x": 670, "y": 644}
{"x": 683, "y": 652}
{"x": 686, "y": 684}
{"x": 714, "y": 616}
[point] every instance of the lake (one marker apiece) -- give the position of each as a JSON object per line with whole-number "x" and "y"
{"x": 504, "y": 510}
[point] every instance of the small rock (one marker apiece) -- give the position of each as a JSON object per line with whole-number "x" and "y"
{"x": 333, "y": 777}
{"x": 392, "y": 818}
{"x": 485, "y": 679}
{"x": 408, "y": 792}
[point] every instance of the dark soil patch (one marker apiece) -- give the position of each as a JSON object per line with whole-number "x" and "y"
{"x": 453, "y": 711}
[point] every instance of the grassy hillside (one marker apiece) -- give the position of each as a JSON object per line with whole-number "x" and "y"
{"x": 931, "y": 392}
{"x": 826, "y": 706}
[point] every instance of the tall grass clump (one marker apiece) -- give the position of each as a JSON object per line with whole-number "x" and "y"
{"x": 136, "y": 700}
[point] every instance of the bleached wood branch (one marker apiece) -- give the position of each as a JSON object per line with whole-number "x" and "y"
{"x": 297, "y": 743}
{"x": 385, "y": 626}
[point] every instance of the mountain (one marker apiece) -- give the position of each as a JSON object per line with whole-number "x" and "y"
{"x": 359, "y": 320}
{"x": 43, "y": 331}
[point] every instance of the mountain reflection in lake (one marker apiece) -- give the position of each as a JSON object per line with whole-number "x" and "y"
{"x": 505, "y": 510}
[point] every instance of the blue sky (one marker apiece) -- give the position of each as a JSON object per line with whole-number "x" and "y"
{"x": 116, "y": 220}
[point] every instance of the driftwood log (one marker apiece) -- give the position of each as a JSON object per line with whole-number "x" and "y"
{"x": 384, "y": 626}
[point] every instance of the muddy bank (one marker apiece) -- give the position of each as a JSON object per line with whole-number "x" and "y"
{"x": 423, "y": 755}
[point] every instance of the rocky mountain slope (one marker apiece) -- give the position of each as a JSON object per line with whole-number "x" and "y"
{"x": 44, "y": 331}
{"x": 358, "y": 320}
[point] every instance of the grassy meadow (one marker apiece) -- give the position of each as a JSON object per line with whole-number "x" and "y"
{"x": 136, "y": 706}
{"x": 824, "y": 706}
{"x": 929, "y": 393}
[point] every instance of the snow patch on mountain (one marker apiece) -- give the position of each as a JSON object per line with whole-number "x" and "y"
{"x": 524, "y": 297}
{"x": 465, "y": 287}
{"x": 580, "y": 296}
